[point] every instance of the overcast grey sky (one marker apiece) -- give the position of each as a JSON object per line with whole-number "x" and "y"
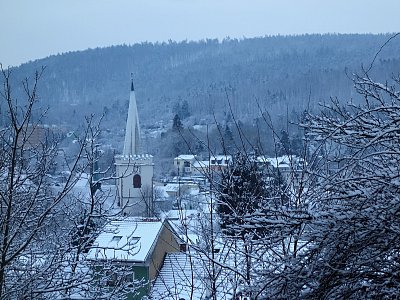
{"x": 32, "y": 29}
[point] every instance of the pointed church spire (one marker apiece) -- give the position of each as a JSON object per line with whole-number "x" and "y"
{"x": 132, "y": 133}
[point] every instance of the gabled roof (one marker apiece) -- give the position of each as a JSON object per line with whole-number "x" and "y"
{"x": 185, "y": 157}
{"x": 172, "y": 187}
{"x": 284, "y": 161}
{"x": 221, "y": 156}
{"x": 201, "y": 164}
{"x": 127, "y": 240}
{"x": 180, "y": 214}
{"x": 178, "y": 277}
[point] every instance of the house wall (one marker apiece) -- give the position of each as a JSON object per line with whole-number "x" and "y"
{"x": 183, "y": 166}
{"x": 178, "y": 165}
{"x": 141, "y": 273}
{"x": 165, "y": 243}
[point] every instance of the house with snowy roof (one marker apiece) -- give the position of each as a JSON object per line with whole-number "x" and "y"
{"x": 183, "y": 164}
{"x": 215, "y": 163}
{"x": 290, "y": 166}
{"x": 175, "y": 190}
{"x": 201, "y": 167}
{"x": 140, "y": 245}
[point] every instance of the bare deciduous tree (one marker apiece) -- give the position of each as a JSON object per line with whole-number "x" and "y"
{"x": 46, "y": 228}
{"x": 354, "y": 249}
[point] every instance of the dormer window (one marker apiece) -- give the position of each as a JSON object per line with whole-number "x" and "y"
{"x": 135, "y": 240}
{"x": 137, "y": 181}
{"x": 114, "y": 241}
{"x": 116, "y": 238}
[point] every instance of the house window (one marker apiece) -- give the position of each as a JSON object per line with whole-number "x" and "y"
{"x": 111, "y": 278}
{"x": 216, "y": 250}
{"x": 137, "y": 181}
{"x": 115, "y": 240}
{"x": 130, "y": 277}
{"x": 134, "y": 240}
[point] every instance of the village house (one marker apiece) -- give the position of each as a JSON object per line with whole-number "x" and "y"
{"x": 191, "y": 165}
{"x": 289, "y": 166}
{"x": 183, "y": 164}
{"x": 139, "y": 245}
{"x": 176, "y": 190}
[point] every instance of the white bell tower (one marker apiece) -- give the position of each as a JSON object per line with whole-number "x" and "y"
{"x": 134, "y": 169}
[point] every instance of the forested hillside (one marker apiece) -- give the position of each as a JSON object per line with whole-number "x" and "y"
{"x": 283, "y": 74}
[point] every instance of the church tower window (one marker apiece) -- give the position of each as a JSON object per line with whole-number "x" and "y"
{"x": 137, "y": 181}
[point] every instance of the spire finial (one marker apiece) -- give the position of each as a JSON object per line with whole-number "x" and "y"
{"x": 132, "y": 88}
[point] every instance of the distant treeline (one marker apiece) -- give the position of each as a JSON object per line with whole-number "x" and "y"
{"x": 282, "y": 74}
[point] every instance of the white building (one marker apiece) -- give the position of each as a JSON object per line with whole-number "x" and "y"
{"x": 290, "y": 166}
{"x": 134, "y": 169}
{"x": 184, "y": 164}
{"x": 190, "y": 165}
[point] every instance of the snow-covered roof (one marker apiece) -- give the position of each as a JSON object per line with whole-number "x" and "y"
{"x": 179, "y": 277}
{"x": 187, "y": 187}
{"x": 172, "y": 187}
{"x": 160, "y": 191}
{"x": 219, "y": 157}
{"x": 129, "y": 239}
{"x": 186, "y": 223}
{"x": 185, "y": 157}
{"x": 201, "y": 164}
{"x": 284, "y": 161}
{"x": 180, "y": 214}
{"x": 107, "y": 193}
{"x": 81, "y": 187}
{"x": 185, "y": 276}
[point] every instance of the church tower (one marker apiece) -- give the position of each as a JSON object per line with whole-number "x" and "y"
{"x": 134, "y": 169}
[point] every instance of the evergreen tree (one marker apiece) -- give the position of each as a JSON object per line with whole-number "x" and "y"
{"x": 181, "y": 108}
{"x": 297, "y": 145}
{"x": 228, "y": 141}
{"x": 184, "y": 111}
{"x": 284, "y": 145}
{"x": 177, "y": 124}
{"x": 176, "y": 108}
{"x": 242, "y": 196}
